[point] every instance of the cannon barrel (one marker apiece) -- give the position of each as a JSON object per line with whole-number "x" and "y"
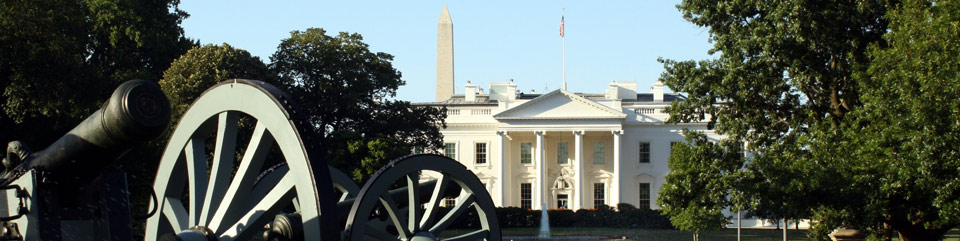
{"x": 136, "y": 112}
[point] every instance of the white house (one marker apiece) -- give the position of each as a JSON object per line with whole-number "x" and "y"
{"x": 560, "y": 149}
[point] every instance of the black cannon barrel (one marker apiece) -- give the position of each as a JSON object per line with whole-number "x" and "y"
{"x": 136, "y": 112}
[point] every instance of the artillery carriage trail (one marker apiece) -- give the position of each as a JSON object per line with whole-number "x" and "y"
{"x": 240, "y": 165}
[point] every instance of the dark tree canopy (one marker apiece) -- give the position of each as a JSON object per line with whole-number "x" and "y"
{"x": 203, "y": 67}
{"x": 848, "y": 106}
{"x": 60, "y": 59}
{"x": 347, "y": 90}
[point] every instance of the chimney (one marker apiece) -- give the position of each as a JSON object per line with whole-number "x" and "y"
{"x": 614, "y": 91}
{"x": 511, "y": 91}
{"x": 470, "y": 92}
{"x": 444, "y": 56}
{"x": 657, "y": 90}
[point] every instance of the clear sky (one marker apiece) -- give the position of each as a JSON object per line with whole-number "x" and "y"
{"x": 494, "y": 41}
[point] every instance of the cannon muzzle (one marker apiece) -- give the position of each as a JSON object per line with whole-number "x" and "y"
{"x": 136, "y": 112}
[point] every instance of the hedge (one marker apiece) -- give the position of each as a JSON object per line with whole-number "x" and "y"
{"x": 625, "y": 216}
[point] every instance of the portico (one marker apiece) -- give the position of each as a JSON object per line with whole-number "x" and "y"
{"x": 564, "y": 168}
{"x": 573, "y": 159}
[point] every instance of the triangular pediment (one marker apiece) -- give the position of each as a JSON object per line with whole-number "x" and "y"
{"x": 560, "y": 105}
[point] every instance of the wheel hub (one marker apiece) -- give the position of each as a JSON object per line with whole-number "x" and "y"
{"x": 424, "y": 236}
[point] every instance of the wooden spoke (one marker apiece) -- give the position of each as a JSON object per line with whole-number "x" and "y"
{"x": 436, "y": 198}
{"x": 413, "y": 202}
{"x": 261, "y": 213}
{"x": 462, "y": 206}
{"x": 196, "y": 158}
{"x": 221, "y": 171}
{"x": 395, "y": 215}
{"x": 239, "y": 190}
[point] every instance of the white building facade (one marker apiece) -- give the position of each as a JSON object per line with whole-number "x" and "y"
{"x": 564, "y": 150}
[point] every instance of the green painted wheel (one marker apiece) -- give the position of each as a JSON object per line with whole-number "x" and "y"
{"x": 214, "y": 193}
{"x": 424, "y": 181}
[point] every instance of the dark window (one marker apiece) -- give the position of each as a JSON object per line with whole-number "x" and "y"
{"x": 450, "y": 150}
{"x": 644, "y": 195}
{"x": 526, "y": 153}
{"x": 598, "y": 153}
{"x": 526, "y": 196}
{"x": 562, "y": 200}
{"x": 740, "y": 151}
{"x": 562, "y": 155}
{"x": 644, "y": 152}
{"x": 481, "y": 153}
{"x": 598, "y": 194}
{"x": 449, "y": 202}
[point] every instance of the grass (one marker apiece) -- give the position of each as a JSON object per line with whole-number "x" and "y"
{"x": 671, "y": 235}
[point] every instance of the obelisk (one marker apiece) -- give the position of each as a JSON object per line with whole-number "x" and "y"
{"x": 444, "y": 56}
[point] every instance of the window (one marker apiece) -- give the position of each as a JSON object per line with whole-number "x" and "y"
{"x": 562, "y": 200}
{"x": 598, "y": 193}
{"x": 644, "y": 195}
{"x": 739, "y": 149}
{"x": 644, "y": 152}
{"x": 449, "y": 202}
{"x": 526, "y": 196}
{"x": 450, "y": 150}
{"x": 563, "y": 156}
{"x": 481, "y": 153}
{"x": 526, "y": 153}
{"x": 418, "y": 150}
{"x": 598, "y": 153}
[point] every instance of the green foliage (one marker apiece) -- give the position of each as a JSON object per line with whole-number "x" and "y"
{"x": 60, "y": 59}
{"x": 204, "y": 66}
{"x": 850, "y": 109}
{"x": 698, "y": 187}
{"x": 909, "y": 126}
{"x": 512, "y": 217}
{"x": 346, "y": 90}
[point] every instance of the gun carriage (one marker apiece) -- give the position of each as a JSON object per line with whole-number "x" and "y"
{"x": 240, "y": 165}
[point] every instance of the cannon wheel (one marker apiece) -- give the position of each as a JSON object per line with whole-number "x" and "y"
{"x": 424, "y": 222}
{"x": 207, "y": 200}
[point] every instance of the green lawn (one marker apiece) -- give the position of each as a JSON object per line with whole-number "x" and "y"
{"x": 670, "y": 235}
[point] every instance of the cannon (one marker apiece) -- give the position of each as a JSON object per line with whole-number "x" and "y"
{"x": 66, "y": 188}
{"x": 242, "y": 165}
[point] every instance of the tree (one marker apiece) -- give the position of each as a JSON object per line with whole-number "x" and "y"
{"x": 59, "y": 60}
{"x": 848, "y": 127}
{"x": 204, "y": 66}
{"x": 345, "y": 91}
{"x": 906, "y": 132}
{"x": 700, "y": 184}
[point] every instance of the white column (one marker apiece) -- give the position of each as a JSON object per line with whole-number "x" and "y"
{"x": 616, "y": 168}
{"x": 502, "y": 169}
{"x": 578, "y": 168}
{"x": 541, "y": 169}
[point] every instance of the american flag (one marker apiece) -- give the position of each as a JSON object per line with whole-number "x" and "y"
{"x": 561, "y": 26}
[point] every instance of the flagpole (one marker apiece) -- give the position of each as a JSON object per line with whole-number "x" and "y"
{"x": 564, "y": 38}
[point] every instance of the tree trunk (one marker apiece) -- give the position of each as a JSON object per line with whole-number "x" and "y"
{"x": 696, "y": 235}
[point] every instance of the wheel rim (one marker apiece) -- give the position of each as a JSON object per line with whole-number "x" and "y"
{"x": 425, "y": 223}
{"x": 237, "y": 205}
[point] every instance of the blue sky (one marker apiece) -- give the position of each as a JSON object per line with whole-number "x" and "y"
{"x": 494, "y": 41}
